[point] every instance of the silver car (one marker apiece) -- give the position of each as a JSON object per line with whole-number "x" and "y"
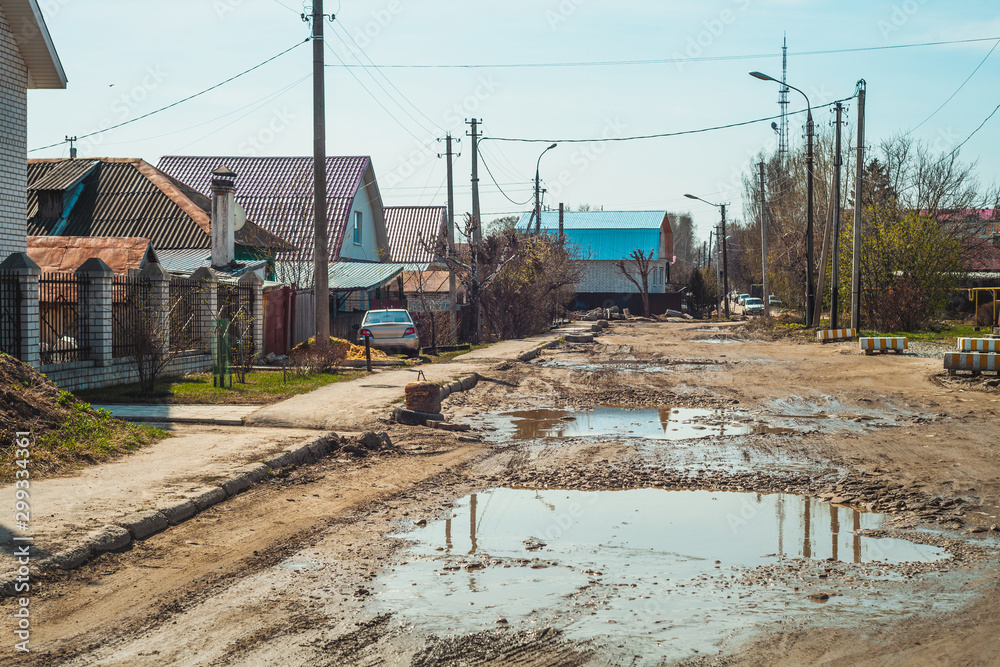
{"x": 391, "y": 329}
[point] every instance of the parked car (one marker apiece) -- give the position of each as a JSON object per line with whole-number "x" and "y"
{"x": 774, "y": 301}
{"x": 742, "y": 299}
{"x": 392, "y": 330}
{"x": 753, "y": 306}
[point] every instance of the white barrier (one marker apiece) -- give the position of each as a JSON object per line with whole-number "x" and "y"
{"x": 970, "y": 361}
{"x": 897, "y": 344}
{"x": 832, "y": 335}
{"x": 979, "y": 344}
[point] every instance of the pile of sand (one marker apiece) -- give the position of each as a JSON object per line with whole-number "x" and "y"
{"x": 340, "y": 350}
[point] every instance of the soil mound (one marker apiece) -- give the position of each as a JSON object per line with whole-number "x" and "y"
{"x": 340, "y": 350}
{"x": 28, "y": 401}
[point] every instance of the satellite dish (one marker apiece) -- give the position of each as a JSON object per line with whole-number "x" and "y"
{"x": 240, "y": 217}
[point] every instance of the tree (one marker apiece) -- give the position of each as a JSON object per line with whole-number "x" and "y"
{"x": 636, "y": 269}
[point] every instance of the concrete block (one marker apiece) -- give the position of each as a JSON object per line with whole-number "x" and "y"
{"x": 238, "y": 483}
{"x": 109, "y": 538}
{"x": 300, "y": 455}
{"x": 255, "y": 471}
{"x": 414, "y": 418}
{"x": 579, "y": 338}
{"x": 469, "y": 381}
{"x": 72, "y": 557}
{"x": 143, "y": 524}
{"x": 279, "y": 461}
{"x": 205, "y": 498}
{"x": 178, "y": 511}
{"x": 319, "y": 448}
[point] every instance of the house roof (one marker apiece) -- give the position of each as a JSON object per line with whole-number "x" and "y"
{"x": 409, "y": 226}
{"x": 277, "y": 192}
{"x": 128, "y": 197}
{"x": 35, "y": 44}
{"x": 67, "y": 253}
{"x": 351, "y": 276}
{"x": 607, "y": 235}
{"x": 429, "y": 282}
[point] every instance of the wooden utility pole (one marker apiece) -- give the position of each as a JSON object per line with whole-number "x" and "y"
{"x": 321, "y": 251}
{"x": 452, "y": 292}
{"x": 835, "y": 277}
{"x": 763, "y": 244}
{"x": 856, "y": 253}
{"x": 725, "y": 261}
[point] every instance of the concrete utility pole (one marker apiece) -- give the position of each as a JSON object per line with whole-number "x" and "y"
{"x": 478, "y": 231}
{"x": 763, "y": 244}
{"x": 452, "y": 291}
{"x": 856, "y": 254}
{"x": 477, "y": 237}
{"x": 725, "y": 260}
{"x": 835, "y": 278}
{"x": 321, "y": 251}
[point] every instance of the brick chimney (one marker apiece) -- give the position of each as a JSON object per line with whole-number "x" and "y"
{"x": 223, "y": 217}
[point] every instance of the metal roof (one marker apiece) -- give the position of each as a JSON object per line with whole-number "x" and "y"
{"x": 277, "y": 192}
{"x": 408, "y": 227}
{"x": 607, "y": 235}
{"x": 34, "y": 42}
{"x": 184, "y": 260}
{"x": 64, "y": 175}
{"x": 429, "y": 282}
{"x": 67, "y": 253}
{"x": 126, "y": 197}
{"x": 351, "y": 276}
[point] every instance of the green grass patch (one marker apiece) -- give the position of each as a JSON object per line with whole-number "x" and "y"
{"x": 448, "y": 356}
{"x": 946, "y": 333}
{"x": 85, "y": 436}
{"x": 261, "y": 388}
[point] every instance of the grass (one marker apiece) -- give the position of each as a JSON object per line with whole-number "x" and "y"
{"x": 448, "y": 356}
{"x": 86, "y": 436}
{"x": 946, "y": 333}
{"x": 261, "y": 388}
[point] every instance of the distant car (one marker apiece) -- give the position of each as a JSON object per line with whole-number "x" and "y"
{"x": 742, "y": 299}
{"x": 753, "y": 306}
{"x": 392, "y": 329}
{"x": 774, "y": 301}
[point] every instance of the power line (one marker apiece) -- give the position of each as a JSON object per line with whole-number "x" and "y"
{"x": 515, "y": 203}
{"x": 981, "y": 62}
{"x": 955, "y": 150}
{"x": 666, "y": 61}
{"x": 170, "y": 106}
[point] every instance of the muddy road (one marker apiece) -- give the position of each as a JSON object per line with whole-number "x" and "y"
{"x": 673, "y": 493}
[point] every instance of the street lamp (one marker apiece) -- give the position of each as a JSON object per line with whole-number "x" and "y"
{"x": 725, "y": 258}
{"x": 810, "y": 288}
{"x": 538, "y": 198}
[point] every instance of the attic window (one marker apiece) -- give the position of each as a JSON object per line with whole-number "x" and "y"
{"x": 357, "y": 227}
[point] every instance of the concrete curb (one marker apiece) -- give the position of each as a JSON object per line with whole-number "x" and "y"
{"x": 140, "y": 525}
{"x": 462, "y": 384}
{"x": 535, "y": 351}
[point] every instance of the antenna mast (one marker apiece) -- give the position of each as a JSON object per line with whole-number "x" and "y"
{"x": 783, "y": 104}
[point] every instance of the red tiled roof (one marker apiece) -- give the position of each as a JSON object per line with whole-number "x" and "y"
{"x": 408, "y": 226}
{"x": 277, "y": 192}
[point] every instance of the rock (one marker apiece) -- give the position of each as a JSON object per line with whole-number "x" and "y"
{"x": 501, "y": 621}
{"x": 414, "y": 418}
{"x": 423, "y": 397}
{"x": 673, "y": 313}
{"x": 420, "y": 522}
{"x": 626, "y": 313}
{"x": 974, "y": 529}
{"x": 819, "y": 597}
{"x": 375, "y": 441}
{"x": 995, "y": 528}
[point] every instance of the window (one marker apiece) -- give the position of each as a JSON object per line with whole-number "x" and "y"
{"x": 357, "y": 227}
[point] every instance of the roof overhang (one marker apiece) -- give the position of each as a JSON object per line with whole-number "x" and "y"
{"x": 35, "y": 43}
{"x": 353, "y": 276}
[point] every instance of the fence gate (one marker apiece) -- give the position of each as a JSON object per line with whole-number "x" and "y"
{"x": 129, "y": 305}
{"x": 235, "y": 304}
{"x": 63, "y": 335}
{"x": 10, "y": 314}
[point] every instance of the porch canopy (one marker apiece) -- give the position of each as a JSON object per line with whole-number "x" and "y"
{"x": 354, "y": 276}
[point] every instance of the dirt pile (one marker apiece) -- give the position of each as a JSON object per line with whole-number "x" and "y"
{"x": 340, "y": 350}
{"x": 28, "y": 401}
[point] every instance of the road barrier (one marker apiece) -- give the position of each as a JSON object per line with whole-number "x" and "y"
{"x": 834, "y": 335}
{"x": 884, "y": 344}
{"x": 975, "y": 362}
{"x": 979, "y": 344}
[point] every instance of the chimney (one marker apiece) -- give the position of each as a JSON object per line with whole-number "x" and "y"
{"x": 223, "y": 217}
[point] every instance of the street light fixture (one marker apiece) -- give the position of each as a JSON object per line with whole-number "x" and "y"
{"x": 538, "y": 198}
{"x": 810, "y": 288}
{"x": 725, "y": 258}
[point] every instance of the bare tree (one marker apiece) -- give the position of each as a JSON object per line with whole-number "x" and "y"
{"x": 636, "y": 269}
{"x": 160, "y": 335}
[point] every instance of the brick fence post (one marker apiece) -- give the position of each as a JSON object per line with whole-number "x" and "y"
{"x": 159, "y": 301}
{"x": 27, "y": 273}
{"x": 94, "y": 311}
{"x": 207, "y": 305}
{"x": 257, "y": 310}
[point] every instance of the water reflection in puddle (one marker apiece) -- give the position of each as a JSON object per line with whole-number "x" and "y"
{"x": 651, "y": 423}
{"x": 659, "y": 570}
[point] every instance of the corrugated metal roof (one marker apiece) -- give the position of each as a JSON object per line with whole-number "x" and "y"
{"x": 184, "y": 260}
{"x": 68, "y": 253}
{"x": 130, "y": 198}
{"x": 429, "y": 282}
{"x": 277, "y": 192}
{"x": 64, "y": 175}
{"x": 408, "y": 227}
{"x": 351, "y": 276}
{"x": 606, "y": 235}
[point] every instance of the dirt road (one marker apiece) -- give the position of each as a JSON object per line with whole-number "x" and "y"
{"x": 403, "y": 558}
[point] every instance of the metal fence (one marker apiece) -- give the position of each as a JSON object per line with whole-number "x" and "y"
{"x": 10, "y": 314}
{"x": 130, "y": 313}
{"x": 186, "y": 329}
{"x": 62, "y": 333}
{"x": 235, "y": 303}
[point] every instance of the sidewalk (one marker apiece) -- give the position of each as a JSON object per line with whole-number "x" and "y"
{"x": 219, "y": 415}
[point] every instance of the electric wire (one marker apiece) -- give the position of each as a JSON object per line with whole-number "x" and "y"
{"x": 952, "y": 96}
{"x": 174, "y": 104}
{"x": 516, "y": 203}
{"x": 955, "y": 150}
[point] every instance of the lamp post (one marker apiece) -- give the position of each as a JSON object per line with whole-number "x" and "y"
{"x": 725, "y": 258}
{"x": 810, "y": 287}
{"x": 538, "y": 198}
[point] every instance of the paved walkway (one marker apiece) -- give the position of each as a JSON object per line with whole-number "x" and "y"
{"x": 220, "y": 415}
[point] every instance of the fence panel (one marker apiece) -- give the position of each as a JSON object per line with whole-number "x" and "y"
{"x": 10, "y": 313}
{"x": 187, "y": 327}
{"x": 130, "y": 300}
{"x": 235, "y": 304}
{"x": 63, "y": 335}
{"x": 342, "y": 325}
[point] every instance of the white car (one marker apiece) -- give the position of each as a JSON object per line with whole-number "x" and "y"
{"x": 753, "y": 306}
{"x": 390, "y": 329}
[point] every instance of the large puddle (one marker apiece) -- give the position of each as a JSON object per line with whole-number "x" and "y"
{"x": 647, "y": 423}
{"x": 661, "y": 573}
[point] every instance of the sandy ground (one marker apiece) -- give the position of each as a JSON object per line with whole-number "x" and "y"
{"x": 282, "y": 575}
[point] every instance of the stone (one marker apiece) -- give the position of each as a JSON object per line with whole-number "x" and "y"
{"x": 423, "y": 397}
{"x": 375, "y": 441}
{"x": 819, "y": 597}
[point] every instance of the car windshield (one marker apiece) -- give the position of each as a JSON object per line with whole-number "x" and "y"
{"x": 754, "y": 302}
{"x": 388, "y": 317}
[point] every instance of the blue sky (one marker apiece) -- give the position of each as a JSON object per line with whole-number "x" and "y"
{"x": 126, "y": 59}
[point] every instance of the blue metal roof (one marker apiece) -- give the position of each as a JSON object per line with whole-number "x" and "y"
{"x": 605, "y": 235}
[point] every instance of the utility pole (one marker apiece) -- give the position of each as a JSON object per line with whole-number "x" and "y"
{"x": 725, "y": 261}
{"x": 763, "y": 243}
{"x": 810, "y": 284}
{"x": 856, "y": 254}
{"x": 321, "y": 251}
{"x": 72, "y": 148}
{"x": 835, "y": 278}
{"x": 474, "y": 242}
{"x": 477, "y": 231}
{"x": 452, "y": 291}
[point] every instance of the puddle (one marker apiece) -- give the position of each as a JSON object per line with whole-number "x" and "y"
{"x": 663, "y": 573}
{"x": 649, "y": 423}
{"x": 298, "y": 564}
{"x": 715, "y": 340}
{"x": 830, "y": 415}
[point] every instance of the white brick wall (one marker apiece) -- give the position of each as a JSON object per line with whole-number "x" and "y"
{"x": 603, "y": 276}
{"x": 13, "y": 144}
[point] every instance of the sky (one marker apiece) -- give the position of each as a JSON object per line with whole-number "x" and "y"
{"x": 127, "y": 59}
